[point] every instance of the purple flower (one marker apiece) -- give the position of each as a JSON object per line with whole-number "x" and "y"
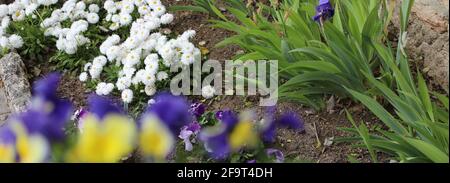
{"x": 102, "y": 106}
{"x": 79, "y": 118}
{"x": 219, "y": 115}
{"x": 229, "y": 119}
{"x": 279, "y": 157}
{"x": 172, "y": 110}
{"x": 270, "y": 124}
{"x": 7, "y": 136}
{"x": 48, "y": 114}
{"x": 324, "y": 11}
{"x": 187, "y": 132}
{"x": 251, "y": 161}
{"x": 291, "y": 120}
{"x": 216, "y": 142}
{"x": 194, "y": 127}
{"x": 197, "y": 109}
{"x": 186, "y": 136}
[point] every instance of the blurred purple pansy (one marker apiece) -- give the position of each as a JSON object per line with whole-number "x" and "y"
{"x": 47, "y": 114}
{"x": 171, "y": 110}
{"x": 228, "y": 118}
{"x": 270, "y": 124}
{"x": 7, "y": 136}
{"x": 216, "y": 142}
{"x": 101, "y": 106}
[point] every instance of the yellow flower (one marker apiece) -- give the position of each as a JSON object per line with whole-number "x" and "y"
{"x": 243, "y": 135}
{"x": 155, "y": 139}
{"x": 104, "y": 141}
{"x": 30, "y": 148}
{"x": 7, "y": 153}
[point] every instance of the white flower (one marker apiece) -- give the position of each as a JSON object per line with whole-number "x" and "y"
{"x": 162, "y": 76}
{"x": 114, "y": 26}
{"x": 31, "y": 8}
{"x": 18, "y": 15}
{"x": 15, "y": 41}
{"x": 148, "y": 78}
{"x": 83, "y": 77}
{"x": 104, "y": 88}
{"x": 208, "y": 91}
{"x": 115, "y": 18}
{"x": 187, "y": 58}
{"x": 80, "y": 6}
{"x": 154, "y": 3}
{"x": 144, "y": 10}
{"x": 5, "y": 22}
{"x": 93, "y": 8}
{"x": 125, "y": 19}
{"x": 93, "y": 18}
{"x": 100, "y": 60}
{"x": 100, "y": 88}
{"x": 127, "y": 96}
{"x": 150, "y": 90}
{"x": 131, "y": 59}
{"x": 95, "y": 71}
{"x": 4, "y": 42}
{"x": 123, "y": 83}
{"x": 127, "y": 8}
{"x": 159, "y": 10}
{"x": 3, "y": 10}
{"x": 166, "y": 18}
{"x": 110, "y": 6}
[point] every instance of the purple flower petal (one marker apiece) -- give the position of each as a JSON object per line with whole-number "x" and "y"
{"x": 216, "y": 143}
{"x": 324, "y": 11}
{"x": 279, "y": 157}
{"x": 172, "y": 110}
{"x": 197, "y": 109}
{"x": 7, "y": 136}
{"x": 101, "y": 106}
{"x": 194, "y": 127}
{"x": 291, "y": 120}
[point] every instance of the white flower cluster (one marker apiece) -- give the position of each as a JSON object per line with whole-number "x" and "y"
{"x": 141, "y": 54}
{"x": 81, "y": 15}
{"x": 119, "y": 13}
{"x": 17, "y": 11}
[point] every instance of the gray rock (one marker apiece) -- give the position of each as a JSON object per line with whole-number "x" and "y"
{"x": 15, "y": 83}
{"x": 428, "y": 39}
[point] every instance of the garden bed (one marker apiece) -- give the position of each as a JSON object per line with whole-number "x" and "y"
{"x": 316, "y": 144}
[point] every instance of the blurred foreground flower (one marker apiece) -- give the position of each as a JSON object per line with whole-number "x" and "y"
{"x": 160, "y": 123}
{"x": 270, "y": 124}
{"x": 47, "y": 114}
{"x": 107, "y": 136}
{"x": 230, "y": 135}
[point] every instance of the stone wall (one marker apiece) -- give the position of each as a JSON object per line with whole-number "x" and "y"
{"x": 15, "y": 92}
{"x": 428, "y": 43}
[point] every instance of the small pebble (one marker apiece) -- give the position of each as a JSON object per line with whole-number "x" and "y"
{"x": 202, "y": 43}
{"x": 166, "y": 31}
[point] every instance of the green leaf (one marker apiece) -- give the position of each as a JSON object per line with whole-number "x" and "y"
{"x": 430, "y": 151}
{"x": 380, "y": 112}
